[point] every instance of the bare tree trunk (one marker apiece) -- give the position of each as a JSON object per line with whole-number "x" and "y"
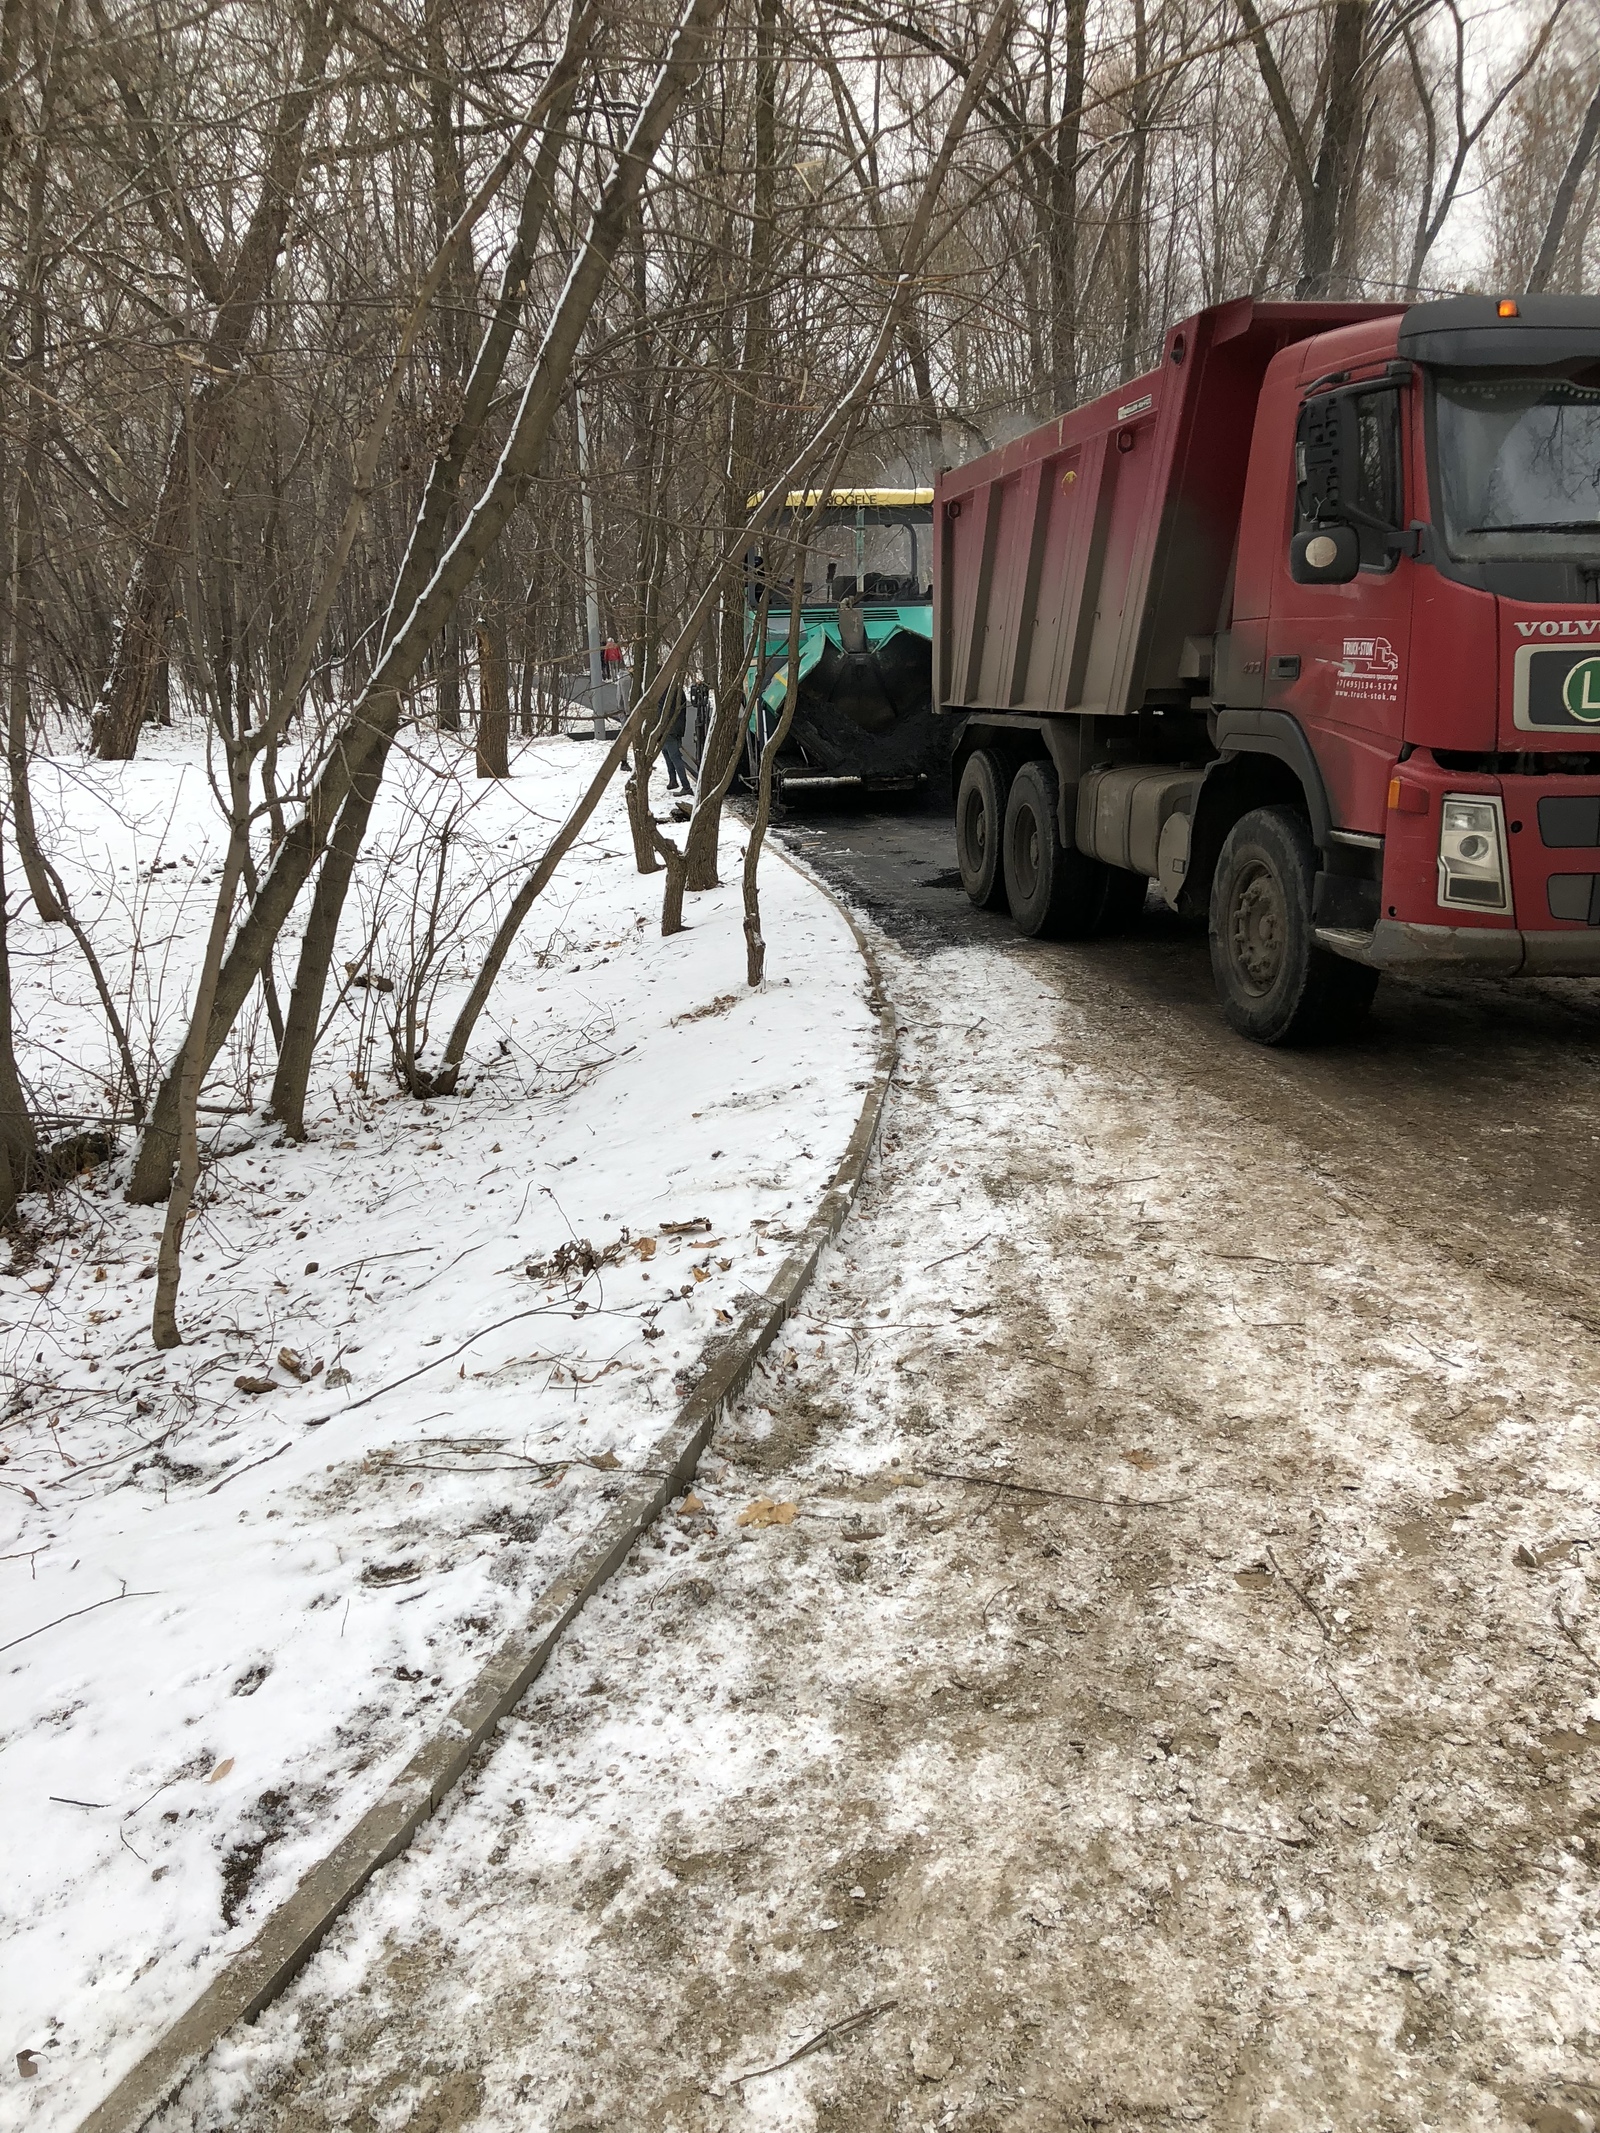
{"x": 1566, "y": 192}
{"x": 142, "y": 629}
{"x": 719, "y": 759}
{"x": 755, "y": 946}
{"x": 19, "y": 1142}
{"x": 447, "y": 680}
{"x": 494, "y": 705}
{"x": 1261, "y": 280}
{"x": 300, "y": 1025}
{"x": 25, "y": 531}
{"x": 1063, "y": 234}
{"x": 192, "y": 1065}
{"x": 721, "y": 750}
{"x": 1133, "y": 262}
{"x": 637, "y": 795}
{"x": 449, "y": 197}
{"x": 1333, "y": 180}
{"x": 528, "y": 673}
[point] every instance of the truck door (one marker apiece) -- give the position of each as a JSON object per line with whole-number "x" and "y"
{"x": 1336, "y": 654}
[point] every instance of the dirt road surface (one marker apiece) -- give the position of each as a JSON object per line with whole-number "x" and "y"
{"x": 1175, "y": 1697}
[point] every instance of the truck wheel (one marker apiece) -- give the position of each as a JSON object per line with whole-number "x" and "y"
{"x": 1275, "y": 984}
{"x": 980, "y": 819}
{"x": 1053, "y": 889}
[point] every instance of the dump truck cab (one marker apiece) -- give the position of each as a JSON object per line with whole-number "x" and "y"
{"x": 1305, "y": 625}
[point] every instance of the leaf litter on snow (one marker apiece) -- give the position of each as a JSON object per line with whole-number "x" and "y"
{"x": 422, "y": 1352}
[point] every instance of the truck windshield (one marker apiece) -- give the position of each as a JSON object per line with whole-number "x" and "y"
{"x": 1519, "y": 466}
{"x": 878, "y": 552}
{"x": 874, "y": 551}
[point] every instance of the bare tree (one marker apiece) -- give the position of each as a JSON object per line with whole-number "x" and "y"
{"x": 1566, "y": 192}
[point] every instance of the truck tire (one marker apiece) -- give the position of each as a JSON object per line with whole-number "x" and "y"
{"x": 980, "y": 819}
{"x": 1275, "y": 984}
{"x": 1051, "y": 888}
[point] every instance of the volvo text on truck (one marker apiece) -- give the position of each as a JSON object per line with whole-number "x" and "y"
{"x": 1304, "y": 626}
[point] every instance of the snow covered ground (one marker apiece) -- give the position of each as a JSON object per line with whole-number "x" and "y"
{"x": 226, "y": 1617}
{"x": 1174, "y": 1700}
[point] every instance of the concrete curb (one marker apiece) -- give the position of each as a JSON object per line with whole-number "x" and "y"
{"x": 250, "y": 1980}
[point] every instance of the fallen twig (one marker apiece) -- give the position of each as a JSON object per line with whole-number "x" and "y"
{"x": 449, "y": 1356}
{"x": 816, "y": 2043}
{"x": 1317, "y": 1616}
{"x": 1297, "y": 1840}
{"x": 972, "y": 1247}
{"x": 1033, "y": 1488}
{"x": 265, "y": 1460}
{"x": 1303, "y": 1597}
{"x": 89, "y": 1610}
{"x": 1576, "y": 1642}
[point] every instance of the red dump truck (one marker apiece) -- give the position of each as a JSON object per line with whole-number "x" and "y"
{"x": 1305, "y": 627}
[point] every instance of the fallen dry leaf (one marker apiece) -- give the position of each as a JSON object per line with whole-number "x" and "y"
{"x": 27, "y": 2064}
{"x": 690, "y": 1504}
{"x": 338, "y": 1375}
{"x": 764, "y": 1512}
{"x": 1141, "y": 1459}
{"x": 700, "y": 1273}
{"x": 221, "y": 1771}
{"x": 253, "y": 1386}
{"x": 645, "y": 1247}
{"x": 293, "y": 1363}
{"x": 607, "y": 1462}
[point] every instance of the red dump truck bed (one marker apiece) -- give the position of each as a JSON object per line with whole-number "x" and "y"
{"x": 1072, "y": 563}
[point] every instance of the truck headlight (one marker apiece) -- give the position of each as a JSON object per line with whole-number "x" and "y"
{"x": 1472, "y": 853}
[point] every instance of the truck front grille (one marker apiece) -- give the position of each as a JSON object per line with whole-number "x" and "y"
{"x": 1565, "y": 823}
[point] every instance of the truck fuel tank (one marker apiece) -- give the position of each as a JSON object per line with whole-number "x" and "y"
{"x": 1123, "y": 812}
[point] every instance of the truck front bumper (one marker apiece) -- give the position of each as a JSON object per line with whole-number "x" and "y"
{"x": 1397, "y": 944}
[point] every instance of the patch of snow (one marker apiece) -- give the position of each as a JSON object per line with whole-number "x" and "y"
{"x": 228, "y": 1619}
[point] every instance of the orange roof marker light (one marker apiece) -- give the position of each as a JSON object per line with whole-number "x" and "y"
{"x": 1508, "y": 307}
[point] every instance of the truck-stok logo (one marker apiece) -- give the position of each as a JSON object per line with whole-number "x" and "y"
{"x": 1581, "y": 691}
{"x": 1369, "y": 672}
{"x": 1369, "y": 656}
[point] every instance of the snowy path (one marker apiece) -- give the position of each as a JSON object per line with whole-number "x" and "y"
{"x": 1144, "y": 1720}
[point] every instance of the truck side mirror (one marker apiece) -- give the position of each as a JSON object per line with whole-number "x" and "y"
{"x": 1325, "y": 555}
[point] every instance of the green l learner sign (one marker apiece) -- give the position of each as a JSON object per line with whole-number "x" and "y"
{"x": 1556, "y": 688}
{"x": 1581, "y": 691}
